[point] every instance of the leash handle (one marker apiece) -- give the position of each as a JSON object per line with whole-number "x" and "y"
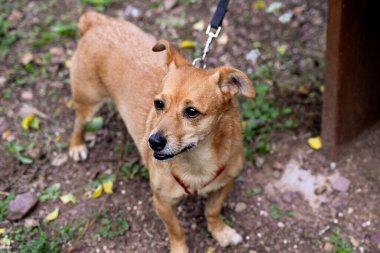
{"x": 220, "y": 12}
{"x": 213, "y": 31}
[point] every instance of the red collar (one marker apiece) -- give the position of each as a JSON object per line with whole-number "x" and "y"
{"x": 186, "y": 188}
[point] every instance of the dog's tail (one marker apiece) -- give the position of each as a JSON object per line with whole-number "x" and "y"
{"x": 89, "y": 20}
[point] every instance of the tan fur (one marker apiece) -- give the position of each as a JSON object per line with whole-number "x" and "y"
{"x": 115, "y": 60}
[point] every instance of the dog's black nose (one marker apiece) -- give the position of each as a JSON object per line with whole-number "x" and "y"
{"x": 157, "y": 142}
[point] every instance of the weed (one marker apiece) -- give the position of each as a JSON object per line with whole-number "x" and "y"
{"x": 253, "y": 192}
{"x": 100, "y": 5}
{"x": 4, "y": 206}
{"x": 7, "y": 36}
{"x": 340, "y": 245}
{"x": 277, "y": 213}
{"x": 51, "y": 193}
{"x": 16, "y": 150}
{"x": 65, "y": 29}
{"x": 227, "y": 221}
{"x": 133, "y": 169}
{"x": 112, "y": 229}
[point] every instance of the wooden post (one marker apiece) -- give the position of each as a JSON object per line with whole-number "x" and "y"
{"x": 352, "y": 87}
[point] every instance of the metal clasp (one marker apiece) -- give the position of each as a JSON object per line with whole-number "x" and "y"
{"x": 211, "y": 35}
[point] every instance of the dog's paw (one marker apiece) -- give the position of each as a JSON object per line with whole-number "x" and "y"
{"x": 227, "y": 236}
{"x": 78, "y": 153}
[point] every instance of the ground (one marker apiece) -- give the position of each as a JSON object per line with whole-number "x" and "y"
{"x": 289, "y": 198}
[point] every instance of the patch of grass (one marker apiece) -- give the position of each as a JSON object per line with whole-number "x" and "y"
{"x": 8, "y": 36}
{"x": 100, "y": 5}
{"x": 133, "y": 169}
{"x": 65, "y": 29}
{"x": 16, "y": 150}
{"x": 4, "y": 206}
{"x": 227, "y": 221}
{"x": 261, "y": 116}
{"x": 277, "y": 213}
{"x": 51, "y": 193}
{"x": 340, "y": 245}
{"x": 253, "y": 192}
{"x": 111, "y": 229}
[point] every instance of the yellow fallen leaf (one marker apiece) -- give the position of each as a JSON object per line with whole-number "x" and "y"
{"x": 67, "y": 64}
{"x": 199, "y": 26}
{"x": 68, "y": 198}
{"x": 281, "y": 49}
{"x": 315, "y": 143}
{"x": 259, "y": 5}
{"x": 98, "y": 192}
{"x": 257, "y": 44}
{"x": 26, "y": 122}
{"x": 108, "y": 187}
{"x": 210, "y": 250}
{"x": 187, "y": 44}
{"x": 69, "y": 104}
{"x": 2, "y": 231}
{"x": 87, "y": 194}
{"x": 322, "y": 88}
{"x": 53, "y": 215}
{"x": 243, "y": 124}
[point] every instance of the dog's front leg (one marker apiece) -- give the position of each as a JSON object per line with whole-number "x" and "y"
{"x": 224, "y": 234}
{"x": 166, "y": 211}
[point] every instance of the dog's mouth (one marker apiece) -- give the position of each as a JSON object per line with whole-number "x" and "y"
{"x": 163, "y": 157}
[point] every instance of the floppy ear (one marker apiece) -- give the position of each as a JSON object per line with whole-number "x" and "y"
{"x": 172, "y": 53}
{"x": 232, "y": 81}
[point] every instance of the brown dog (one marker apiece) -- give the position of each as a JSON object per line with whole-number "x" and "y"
{"x": 182, "y": 119}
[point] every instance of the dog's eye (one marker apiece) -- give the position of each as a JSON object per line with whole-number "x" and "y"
{"x": 159, "y": 104}
{"x": 191, "y": 112}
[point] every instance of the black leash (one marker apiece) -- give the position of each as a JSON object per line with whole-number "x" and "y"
{"x": 213, "y": 31}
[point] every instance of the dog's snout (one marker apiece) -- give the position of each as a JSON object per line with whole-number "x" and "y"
{"x": 157, "y": 142}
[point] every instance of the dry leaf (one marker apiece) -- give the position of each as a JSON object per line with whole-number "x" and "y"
{"x": 98, "y": 192}
{"x": 27, "y": 58}
{"x": 315, "y": 143}
{"x": 53, "y": 215}
{"x": 26, "y": 122}
{"x": 68, "y": 198}
{"x": 2, "y": 231}
{"x": 27, "y": 110}
{"x": 108, "y": 187}
{"x": 6, "y": 134}
{"x": 223, "y": 39}
{"x": 187, "y": 44}
{"x": 281, "y": 50}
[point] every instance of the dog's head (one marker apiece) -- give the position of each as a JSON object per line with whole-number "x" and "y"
{"x": 191, "y": 102}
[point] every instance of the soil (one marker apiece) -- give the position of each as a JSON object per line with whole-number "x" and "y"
{"x": 352, "y": 214}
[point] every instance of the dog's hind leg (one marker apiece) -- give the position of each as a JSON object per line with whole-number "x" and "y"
{"x": 221, "y": 232}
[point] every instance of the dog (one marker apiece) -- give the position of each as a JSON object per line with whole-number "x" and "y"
{"x": 183, "y": 119}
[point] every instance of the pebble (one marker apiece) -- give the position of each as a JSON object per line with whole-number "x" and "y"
{"x": 328, "y": 247}
{"x": 31, "y": 223}
{"x": 59, "y": 160}
{"x": 240, "y": 207}
{"x": 341, "y": 184}
{"x": 193, "y": 226}
{"x": 376, "y": 238}
{"x": 281, "y": 224}
{"x": 21, "y": 205}
{"x": 26, "y": 95}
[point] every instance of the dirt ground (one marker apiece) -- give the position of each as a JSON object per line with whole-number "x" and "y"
{"x": 291, "y": 199}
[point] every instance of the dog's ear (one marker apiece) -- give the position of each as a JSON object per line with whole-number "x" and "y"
{"x": 172, "y": 53}
{"x": 232, "y": 81}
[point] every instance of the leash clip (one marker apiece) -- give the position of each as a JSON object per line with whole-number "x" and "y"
{"x": 198, "y": 62}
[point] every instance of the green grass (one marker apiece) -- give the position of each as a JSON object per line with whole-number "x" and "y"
{"x": 277, "y": 213}
{"x": 16, "y": 150}
{"x": 51, "y": 193}
{"x": 340, "y": 245}
{"x": 8, "y": 36}
{"x": 100, "y": 5}
{"x": 112, "y": 228}
{"x": 4, "y": 206}
{"x": 133, "y": 169}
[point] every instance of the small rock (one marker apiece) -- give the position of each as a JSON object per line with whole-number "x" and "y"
{"x": 240, "y": 207}
{"x": 132, "y": 11}
{"x": 328, "y": 247}
{"x": 376, "y": 238}
{"x": 193, "y": 226}
{"x": 26, "y": 95}
{"x": 21, "y": 205}
{"x": 288, "y": 197}
{"x": 168, "y": 4}
{"x": 341, "y": 184}
{"x": 57, "y": 84}
{"x": 280, "y": 225}
{"x": 57, "y": 51}
{"x": 320, "y": 190}
{"x": 59, "y": 160}
{"x": 2, "y": 80}
{"x": 31, "y": 223}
